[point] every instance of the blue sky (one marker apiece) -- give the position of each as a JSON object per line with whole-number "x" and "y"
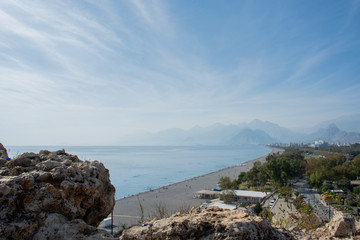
{"x": 87, "y": 72}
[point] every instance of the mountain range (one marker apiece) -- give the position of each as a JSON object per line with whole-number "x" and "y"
{"x": 255, "y": 132}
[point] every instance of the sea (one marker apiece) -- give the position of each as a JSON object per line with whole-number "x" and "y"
{"x": 135, "y": 169}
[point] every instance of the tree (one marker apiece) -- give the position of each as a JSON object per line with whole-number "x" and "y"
{"x": 241, "y": 177}
{"x": 316, "y": 179}
{"x": 257, "y": 176}
{"x": 226, "y": 183}
{"x": 279, "y": 170}
{"x": 344, "y": 184}
{"x": 356, "y": 189}
{"x": 258, "y": 208}
{"x": 228, "y": 196}
{"x": 356, "y": 161}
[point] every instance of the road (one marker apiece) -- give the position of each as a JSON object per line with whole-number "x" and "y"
{"x": 313, "y": 198}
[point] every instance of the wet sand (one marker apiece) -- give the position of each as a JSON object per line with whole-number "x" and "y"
{"x": 174, "y": 197}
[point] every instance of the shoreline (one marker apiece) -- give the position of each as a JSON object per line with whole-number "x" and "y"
{"x": 176, "y": 196}
{"x": 261, "y": 158}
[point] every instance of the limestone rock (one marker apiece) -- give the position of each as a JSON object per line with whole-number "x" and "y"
{"x": 3, "y": 153}
{"x": 41, "y": 191}
{"x": 342, "y": 225}
{"x": 56, "y": 226}
{"x": 207, "y": 223}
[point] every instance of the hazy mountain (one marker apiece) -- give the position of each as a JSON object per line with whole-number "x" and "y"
{"x": 255, "y": 132}
{"x": 249, "y": 136}
{"x": 349, "y": 123}
{"x": 277, "y": 132}
{"x": 216, "y": 134}
{"x": 333, "y": 134}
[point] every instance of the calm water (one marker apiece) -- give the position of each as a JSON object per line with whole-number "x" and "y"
{"x": 138, "y": 169}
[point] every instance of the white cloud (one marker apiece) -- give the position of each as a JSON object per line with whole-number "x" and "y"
{"x": 117, "y": 66}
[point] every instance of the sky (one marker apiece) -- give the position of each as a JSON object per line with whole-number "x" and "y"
{"x": 88, "y": 72}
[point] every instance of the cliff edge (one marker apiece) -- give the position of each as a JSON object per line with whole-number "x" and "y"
{"x": 53, "y": 195}
{"x": 207, "y": 223}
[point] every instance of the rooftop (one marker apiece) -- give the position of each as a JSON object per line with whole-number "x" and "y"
{"x": 244, "y": 193}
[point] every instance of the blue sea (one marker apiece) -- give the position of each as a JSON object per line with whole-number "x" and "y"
{"x": 141, "y": 168}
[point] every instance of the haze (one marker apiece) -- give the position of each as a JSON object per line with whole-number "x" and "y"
{"x": 88, "y": 72}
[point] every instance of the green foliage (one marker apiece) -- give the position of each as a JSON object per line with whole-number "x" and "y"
{"x": 277, "y": 168}
{"x": 241, "y": 178}
{"x": 335, "y": 167}
{"x": 258, "y": 208}
{"x": 285, "y": 192}
{"x": 226, "y": 183}
{"x": 228, "y": 197}
{"x": 266, "y": 213}
{"x": 257, "y": 176}
{"x": 356, "y": 189}
{"x": 283, "y": 167}
{"x": 345, "y": 170}
{"x": 316, "y": 178}
{"x": 307, "y": 209}
{"x": 344, "y": 184}
{"x": 356, "y": 161}
{"x": 351, "y": 151}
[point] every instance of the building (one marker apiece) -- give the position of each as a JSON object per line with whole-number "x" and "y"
{"x": 221, "y": 205}
{"x": 206, "y": 194}
{"x": 355, "y": 183}
{"x": 243, "y": 196}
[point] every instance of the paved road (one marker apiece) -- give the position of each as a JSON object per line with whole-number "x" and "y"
{"x": 312, "y": 197}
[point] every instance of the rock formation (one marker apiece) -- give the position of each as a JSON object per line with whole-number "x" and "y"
{"x": 3, "y": 153}
{"x": 341, "y": 226}
{"x": 207, "y": 223}
{"x": 53, "y": 195}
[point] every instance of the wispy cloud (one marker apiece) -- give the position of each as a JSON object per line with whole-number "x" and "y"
{"x": 152, "y": 64}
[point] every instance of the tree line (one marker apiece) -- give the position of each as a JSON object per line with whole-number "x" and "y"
{"x": 278, "y": 170}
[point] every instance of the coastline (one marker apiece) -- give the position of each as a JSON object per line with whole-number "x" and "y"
{"x": 174, "y": 197}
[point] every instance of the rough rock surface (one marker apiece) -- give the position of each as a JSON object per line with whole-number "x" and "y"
{"x": 207, "y": 223}
{"x": 342, "y": 226}
{"x": 3, "y": 153}
{"x": 53, "y": 195}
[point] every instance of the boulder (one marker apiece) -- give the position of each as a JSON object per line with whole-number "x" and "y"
{"x": 342, "y": 225}
{"x": 46, "y": 195}
{"x": 207, "y": 223}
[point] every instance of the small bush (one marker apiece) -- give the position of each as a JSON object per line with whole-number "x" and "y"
{"x": 258, "y": 208}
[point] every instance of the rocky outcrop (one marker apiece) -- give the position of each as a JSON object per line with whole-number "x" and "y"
{"x": 207, "y": 223}
{"x": 342, "y": 226}
{"x": 3, "y": 153}
{"x": 54, "y": 195}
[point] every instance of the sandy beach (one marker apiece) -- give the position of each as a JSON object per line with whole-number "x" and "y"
{"x": 174, "y": 197}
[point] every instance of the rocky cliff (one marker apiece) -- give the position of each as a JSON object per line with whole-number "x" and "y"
{"x": 53, "y": 195}
{"x": 214, "y": 223}
{"x": 207, "y": 223}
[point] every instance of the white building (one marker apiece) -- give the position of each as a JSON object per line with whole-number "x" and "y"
{"x": 243, "y": 196}
{"x": 220, "y": 205}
